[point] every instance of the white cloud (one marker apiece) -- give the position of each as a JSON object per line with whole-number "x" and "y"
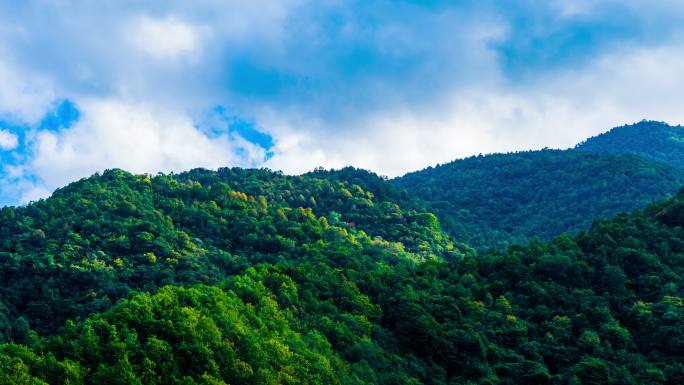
{"x": 557, "y": 110}
{"x": 137, "y": 138}
{"x": 164, "y": 38}
{"x": 8, "y": 141}
{"x": 24, "y": 96}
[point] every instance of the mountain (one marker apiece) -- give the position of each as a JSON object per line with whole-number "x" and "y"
{"x": 96, "y": 240}
{"x": 499, "y": 199}
{"x": 253, "y": 277}
{"x": 649, "y": 139}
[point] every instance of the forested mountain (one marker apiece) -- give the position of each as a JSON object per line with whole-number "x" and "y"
{"x": 253, "y": 277}
{"x": 654, "y": 140}
{"x": 498, "y": 199}
{"x": 94, "y": 241}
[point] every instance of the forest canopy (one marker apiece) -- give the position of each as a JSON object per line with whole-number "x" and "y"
{"x": 502, "y": 199}
{"x": 254, "y": 277}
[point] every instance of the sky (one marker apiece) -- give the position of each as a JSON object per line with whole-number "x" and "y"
{"x": 391, "y": 86}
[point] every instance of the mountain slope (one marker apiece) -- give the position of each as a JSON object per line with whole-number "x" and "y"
{"x": 498, "y": 199}
{"x": 649, "y": 139}
{"x": 270, "y": 294}
{"x": 355, "y": 198}
{"x": 94, "y": 241}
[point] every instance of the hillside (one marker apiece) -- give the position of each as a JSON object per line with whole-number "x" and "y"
{"x": 95, "y": 240}
{"x": 499, "y": 199}
{"x": 185, "y": 279}
{"x": 649, "y": 139}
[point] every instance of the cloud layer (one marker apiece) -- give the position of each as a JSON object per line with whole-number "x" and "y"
{"x": 391, "y": 86}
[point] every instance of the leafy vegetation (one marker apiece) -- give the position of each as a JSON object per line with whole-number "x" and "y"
{"x": 231, "y": 277}
{"x": 94, "y": 241}
{"x": 649, "y": 139}
{"x": 499, "y": 199}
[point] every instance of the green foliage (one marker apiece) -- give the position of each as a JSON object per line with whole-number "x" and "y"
{"x": 649, "y": 139}
{"x": 363, "y": 201}
{"x": 502, "y": 199}
{"x": 232, "y": 277}
{"x": 94, "y": 241}
{"x": 198, "y": 335}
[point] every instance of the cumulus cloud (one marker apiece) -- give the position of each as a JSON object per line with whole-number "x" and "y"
{"x": 558, "y": 109}
{"x": 24, "y": 96}
{"x": 164, "y": 38}
{"x": 137, "y": 138}
{"x": 8, "y": 140}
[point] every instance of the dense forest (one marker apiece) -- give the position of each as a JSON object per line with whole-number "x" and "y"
{"x": 499, "y": 199}
{"x": 253, "y": 277}
{"x": 649, "y": 139}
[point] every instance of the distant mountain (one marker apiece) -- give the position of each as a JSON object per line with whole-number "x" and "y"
{"x": 654, "y": 140}
{"x": 495, "y": 200}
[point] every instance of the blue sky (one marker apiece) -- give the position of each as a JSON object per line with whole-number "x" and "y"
{"x": 392, "y": 86}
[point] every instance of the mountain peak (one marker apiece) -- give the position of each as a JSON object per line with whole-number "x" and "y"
{"x": 648, "y": 138}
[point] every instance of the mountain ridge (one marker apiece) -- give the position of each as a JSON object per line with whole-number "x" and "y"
{"x": 500, "y": 199}
{"x": 650, "y": 139}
